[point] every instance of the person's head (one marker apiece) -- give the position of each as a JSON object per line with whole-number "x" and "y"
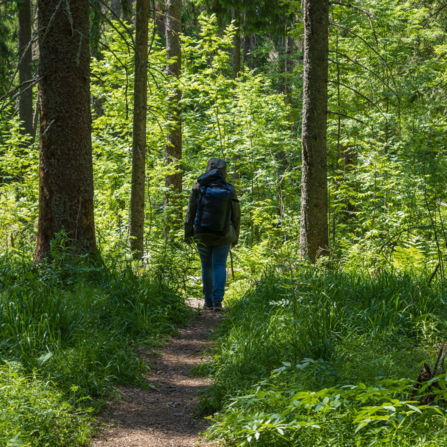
{"x": 217, "y": 163}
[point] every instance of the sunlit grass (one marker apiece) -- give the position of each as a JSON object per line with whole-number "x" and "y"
{"x": 311, "y": 330}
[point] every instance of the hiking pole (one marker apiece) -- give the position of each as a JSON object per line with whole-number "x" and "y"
{"x": 232, "y": 269}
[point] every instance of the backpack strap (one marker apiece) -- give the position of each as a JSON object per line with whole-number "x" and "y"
{"x": 200, "y": 204}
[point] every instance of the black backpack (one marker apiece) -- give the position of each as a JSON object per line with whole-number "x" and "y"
{"x": 214, "y": 204}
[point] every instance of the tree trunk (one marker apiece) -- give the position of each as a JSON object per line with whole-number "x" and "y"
{"x": 237, "y": 45}
{"x": 173, "y": 152}
{"x": 66, "y": 167}
{"x": 314, "y": 202}
{"x": 289, "y": 68}
{"x": 36, "y": 115}
{"x": 248, "y": 57}
{"x": 26, "y": 97}
{"x": 161, "y": 28}
{"x": 236, "y": 72}
{"x": 139, "y": 131}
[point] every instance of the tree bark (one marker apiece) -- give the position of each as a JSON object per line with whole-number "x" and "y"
{"x": 236, "y": 73}
{"x": 289, "y": 68}
{"x": 173, "y": 151}
{"x": 139, "y": 131}
{"x": 314, "y": 202}
{"x": 248, "y": 57}
{"x": 160, "y": 21}
{"x": 26, "y": 97}
{"x": 66, "y": 167}
{"x": 237, "y": 45}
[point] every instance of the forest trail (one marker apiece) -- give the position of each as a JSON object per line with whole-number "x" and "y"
{"x": 163, "y": 415}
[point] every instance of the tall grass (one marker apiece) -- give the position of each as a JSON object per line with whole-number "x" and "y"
{"x": 312, "y": 330}
{"x": 77, "y": 327}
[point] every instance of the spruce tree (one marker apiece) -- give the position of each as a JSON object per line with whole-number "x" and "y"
{"x": 314, "y": 203}
{"x": 66, "y": 167}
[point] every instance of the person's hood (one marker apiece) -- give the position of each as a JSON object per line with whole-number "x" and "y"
{"x": 217, "y": 163}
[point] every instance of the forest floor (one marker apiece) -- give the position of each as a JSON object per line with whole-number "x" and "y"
{"x": 163, "y": 415}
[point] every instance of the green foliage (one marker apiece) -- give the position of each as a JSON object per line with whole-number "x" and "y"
{"x": 8, "y": 31}
{"x": 351, "y": 337}
{"x": 297, "y": 344}
{"x": 34, "y": 413}
{"x": 278, "y": 413}
{"x": 81, "y": 326}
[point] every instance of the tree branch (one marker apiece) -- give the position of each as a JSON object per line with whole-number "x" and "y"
{"x": 19, "y": 93}
{"x": 11, "y": 92}
{"x": 400, "y": 232}
{"x": 360, "y": 94}
{"x": 364, "y": 41}
{"x": 346, "y": 116}
{"x": 368, "y": 69}
{"x": 434, "y": 15}
{"x": 113, "y": 26}
{"x": 434, "y": 274}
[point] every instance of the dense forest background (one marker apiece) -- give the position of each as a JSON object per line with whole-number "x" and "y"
{"x": 385, "y": 126}
{"x": 225, "y": 79}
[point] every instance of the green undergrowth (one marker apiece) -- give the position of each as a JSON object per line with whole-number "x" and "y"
{"x": 71, "y": 331}
{"x": 313, "y": 357}
{"x": 33, "y": 411}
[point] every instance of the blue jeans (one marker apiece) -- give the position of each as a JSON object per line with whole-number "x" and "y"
{"x": 214, "y": 271}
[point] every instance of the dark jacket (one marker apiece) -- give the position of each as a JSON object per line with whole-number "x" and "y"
{"x": 235, "y": 223}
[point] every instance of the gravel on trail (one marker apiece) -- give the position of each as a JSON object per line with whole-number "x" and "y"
{"x": 163, "y": 414}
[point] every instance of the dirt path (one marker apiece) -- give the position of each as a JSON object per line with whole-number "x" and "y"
{"x": 162, "y": 415}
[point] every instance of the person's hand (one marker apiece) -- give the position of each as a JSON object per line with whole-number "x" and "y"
{"x": 232, "y": 246}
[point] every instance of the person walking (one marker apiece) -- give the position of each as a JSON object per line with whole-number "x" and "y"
{"x": 213, "y": 222}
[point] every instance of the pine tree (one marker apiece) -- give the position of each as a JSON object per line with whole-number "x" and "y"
{"x": 66, "y": 167}
{"x": 314, "y": 204}
{"x": 25, "y": 55}
{"x": 173, "y": 151}
{"x": 139, "y": 130}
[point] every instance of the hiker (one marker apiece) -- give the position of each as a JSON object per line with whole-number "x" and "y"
{"x": 213, "y": 222}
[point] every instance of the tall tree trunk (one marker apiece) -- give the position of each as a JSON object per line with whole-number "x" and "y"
{"x": 95, "y": 30}
{"x": 66, "y": 167}
{"x": 314, "y": 201}
{"x": 236, "y": 72}
{"x": 237, "y": 44}
{"x": 248, "y": 47}
{"x": 161, "y": 28}
{"x": 173, "y": 152}
{"x": 26, "y": 97}
{"x": 139, "y": 131}
{"x": 289, "y": 68}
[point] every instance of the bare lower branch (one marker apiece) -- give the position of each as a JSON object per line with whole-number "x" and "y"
{"x": 365, "y": 42}
{"x": 19, "y": 87}
{"x": 360, "y": 94}
{"x": 114, "y": 27}
{"x": 24, "y": 50}
{"x": 47, "y": 129}
{"x": 400, "y": 232}
{"x": 346, "y": 116}
{"x": 368, "y": 69}
{"x": 434, "y": 274}
{"x": 18, "y": 94}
